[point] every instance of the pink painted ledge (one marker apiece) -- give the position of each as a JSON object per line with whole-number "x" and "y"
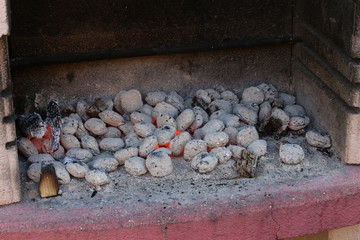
{"x": 276, "y": 211}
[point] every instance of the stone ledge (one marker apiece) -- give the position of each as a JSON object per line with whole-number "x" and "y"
{"x": 4, "y": 18}
{"x": 280, "y": 210}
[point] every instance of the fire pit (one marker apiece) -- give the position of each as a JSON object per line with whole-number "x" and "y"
{"x": 150, "y": 50}
{"x": 214, "y": 130}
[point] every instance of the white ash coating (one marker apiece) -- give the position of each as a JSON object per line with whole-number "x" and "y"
{"x": 144, "y": 129}
{"x": 34, "y": 172}
{"x": 246, "y": 114}
{"x": 111, "y": 144}
{"x": 223, "y": 154}
{"x": 252, "y": 95}
{"x": 131, "y": 101}
{"x": 230, "y": 96}
{"x": 79, "y": 154}
{"x": 26, "y": 147}
{"x": 77, "y": 170}
{"x": 147, "y": 146}
{"x": 112, "y": 118}
{"x": 164, "y": 134}
{"x": 198, "y": 134}
{"x": 232, "y": 133}
{"x": 297, "y": 123}
{"x": 246, "y": 135}
{"x": 177, "y": 144}
{"x": 69, "y": 126}
{"x": 132, "y": 140}
{"x": 236, "y": 151}
{"x": 197, "y": 123}
{"x": 287, "y": 98}
{"x": 137, "y": 117}
{"x": 176, "y": 100}
{"x": 40, "y": 157}
{"x": 164, "y": 149}
{"x": 264, "y": 112}
{"x": 96, "y": 126}
{"x": 109, "y": 103}
{"x": 81, "y": 130}
{"x": 165, "y": 119}
{"x": 61, "y": 173}
{"x": 68, "y": 160}
{"x": 194, "y": 147}
{"x": 104, "y": 161}
{"x": 117, "y": 102}
{"x": 59, "y": 153}
{"x": 69, "y": 141}
{"x": 163, "y": 107}
{"x": 203, "y": 96}
{"x": 146, "y": 109}
{"x": 127, "y": 128}
{"x": 126, "y": 153}
{"x": 153, "y": 98}
{"x": 258, "y": 147}
{"x": 214, "y": 95}
{"x": 97, "y": 178}
{"x": 214, "y": 125}
{"x": 185, "y": 119}
{"x": 81, "y": 107}
{"x": 204, "y": 162}
{"x": 221, "y": 105}
{"x": 269, "y": 90}
{"x": 217, "y": 114}
{"x": 159, "y": 164}
{"x": 281, "y": 115}
{"x": 295, "y": 110}
{"x": 291, "y": 154}
{"x": 202, "y": 112}
{"x": 135, "y": 166}
{"x": 76, "y": 117}
{"x": 317, "y": 139}
{"x": 90, "y": 143}
{"x": 216, "y": 139}
{"x": 112, "y": 132}
{"x": 230, "y": 120}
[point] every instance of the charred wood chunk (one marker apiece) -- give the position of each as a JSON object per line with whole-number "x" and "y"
{"x": 53, "y": 120}
{"x": 32, "y": 125}
{"x": 271, "y": 126}
{"x": 99, "y": 105}
{"x": 246, "y": 165}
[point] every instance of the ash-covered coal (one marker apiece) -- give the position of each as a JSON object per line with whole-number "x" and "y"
{"x": 142, "y": 134}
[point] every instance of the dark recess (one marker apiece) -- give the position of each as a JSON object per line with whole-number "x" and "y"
{"x": 46, "y": 32}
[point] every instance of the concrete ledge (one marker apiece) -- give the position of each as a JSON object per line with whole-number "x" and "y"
{"x": 4, "y": 18}
{"x": 9, "y": 165}
{"x": 346, "y": 90}
{"x": 332, "y": 114}
{"x": 277, "y": 211}
{"x": 325, "y": 48}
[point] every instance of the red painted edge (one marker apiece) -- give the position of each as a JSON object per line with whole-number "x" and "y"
{"x": 282, "y": 211}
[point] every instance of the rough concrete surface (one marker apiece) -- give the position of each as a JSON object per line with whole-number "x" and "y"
{"x": 184, "y": 73}
{"x": 4, "y": 18}
{"x": 185, "y": 185}
{"x": 281, "y": 201}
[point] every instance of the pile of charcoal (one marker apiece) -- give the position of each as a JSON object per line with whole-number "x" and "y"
{"x": 145, "y": 133}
